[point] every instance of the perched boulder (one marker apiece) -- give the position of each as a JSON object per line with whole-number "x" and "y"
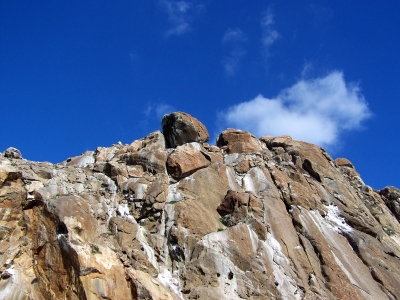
{"x": 238, "y": 141}
{"x": 186, "y": 160}
{"x": 12, "y": 153}
{"x": 180, "y": 128}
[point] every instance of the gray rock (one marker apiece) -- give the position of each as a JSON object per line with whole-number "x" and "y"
{"x": 12, "y": 153}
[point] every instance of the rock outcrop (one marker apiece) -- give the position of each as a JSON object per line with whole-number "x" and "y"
{"x": 268, "y": 218}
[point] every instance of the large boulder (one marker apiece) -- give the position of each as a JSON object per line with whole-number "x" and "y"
{"x": 180, "y": 128}
{"x": 238, "y": 141}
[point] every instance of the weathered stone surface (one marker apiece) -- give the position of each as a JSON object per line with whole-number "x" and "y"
{"x": 279, "y": 141}
{"x": 232, "y": 200}
{"x": 238, "y": 141}
{"x": 12, "y": 153}
{"x": 151, "y": 161}
{"x": 391, "y": 196}
{"x": 180, "y": 128}
{"x": 9, "y": 173}
{"x": 187, "y": 159}
{"x": 154, "y": 141}
{"x": 273, "y": 219}
{"x": 343, "y": 162}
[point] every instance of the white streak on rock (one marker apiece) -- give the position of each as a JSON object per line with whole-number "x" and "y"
{"x": 173, "y": 194}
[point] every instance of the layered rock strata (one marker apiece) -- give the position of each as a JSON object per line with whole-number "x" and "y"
{"x": 268, "y": 218}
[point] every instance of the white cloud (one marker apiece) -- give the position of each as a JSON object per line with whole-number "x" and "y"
{"x": 269, "y": 34}
{"x": 234, "y": 37}
{"x": 231, "y": 62}
{"x": 163, "y": 109}
{"x": 180, "y": 13}
{"x": 159, "y": 109}
{"x": 316, "y": 110}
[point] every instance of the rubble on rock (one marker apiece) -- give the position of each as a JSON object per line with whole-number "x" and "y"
{"x": 171, "y": 217}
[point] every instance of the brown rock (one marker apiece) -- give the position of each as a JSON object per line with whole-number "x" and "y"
{"x": 186, "y": 160}
{"x": 232, "y": 201}
{"x": 238, "y": 141}
{"x": 280, "y": 141}
{"x": 243, "y": 166}
{"x": 154, "y": 141}
{"x": 180, "y": 128}
{"x": 343, "y": 162}
{"x": 151, "y": 161}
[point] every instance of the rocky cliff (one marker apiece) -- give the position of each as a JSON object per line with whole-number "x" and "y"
{"x": 171, "y": 217}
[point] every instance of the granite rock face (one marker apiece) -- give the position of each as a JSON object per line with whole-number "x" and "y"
{"x": 268, "y": 218}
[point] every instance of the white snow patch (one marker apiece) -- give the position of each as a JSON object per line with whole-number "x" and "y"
{"x": 173, "y": 194}
{"x": 113, "y": 190}
{"x": 84, "y": 161}
{"x": 170, "y": 280}
{"x": 285, "y": 284}
{"x": 335, "y": 221}
{"x": 140, "y": 190}
{"x": 230, "y": 158}
{"x": 149, "y": 251}
{"x": 193, "y": 145}
{"x": 123, "y": 210}
{"x": 63, "y": 241}
{"x": 255, "y": 181}
{"x": 167, "y": 221}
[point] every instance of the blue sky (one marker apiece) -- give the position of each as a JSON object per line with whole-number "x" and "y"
{"x": 80, "y": 74}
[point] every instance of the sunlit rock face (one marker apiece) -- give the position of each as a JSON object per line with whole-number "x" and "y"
{"x": 268, "y": 218}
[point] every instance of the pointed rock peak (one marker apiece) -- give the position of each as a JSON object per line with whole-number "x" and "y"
{"x": 180, "y": 128}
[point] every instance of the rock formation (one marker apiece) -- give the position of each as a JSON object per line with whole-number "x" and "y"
{"x": 171, "y": 217}
{"x": 180, "y": 128}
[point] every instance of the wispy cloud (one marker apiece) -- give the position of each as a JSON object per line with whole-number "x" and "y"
{"x": 315, "y": 110}
{"x": 235, "y": 38}
{"x": 269, "y": 34}
{"x": 234, "y": 35}
{"x": 180, "y": 14}
{"x": 159, "y": 109}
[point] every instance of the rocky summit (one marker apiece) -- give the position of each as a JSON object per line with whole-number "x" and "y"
{"x": 172, "y": 217}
